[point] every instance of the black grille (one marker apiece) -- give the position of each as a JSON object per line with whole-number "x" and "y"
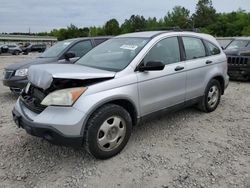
{"x": 8, "y": 74}
{"x": 32, "y": 100}
{"x": 238, "y": 61}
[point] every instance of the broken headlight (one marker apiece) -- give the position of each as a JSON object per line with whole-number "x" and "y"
{"x": 63, "y": 97}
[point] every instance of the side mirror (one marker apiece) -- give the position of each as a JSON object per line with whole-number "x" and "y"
{"x": 69, "y": 55}
{"x": 151, "y": 66}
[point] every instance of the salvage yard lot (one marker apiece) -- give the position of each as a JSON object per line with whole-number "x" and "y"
{"x": 188, "y": 148}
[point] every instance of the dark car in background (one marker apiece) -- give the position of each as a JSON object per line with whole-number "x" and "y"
{"x": 34, "y": 48}
{"x": 3, "y": 48}
{"x": 238, "y": 58}
{"x": 67, "y": 51}
{"x": 224, "y": 41}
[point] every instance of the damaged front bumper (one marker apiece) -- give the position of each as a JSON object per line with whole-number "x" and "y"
{"x": 51, "y": 129}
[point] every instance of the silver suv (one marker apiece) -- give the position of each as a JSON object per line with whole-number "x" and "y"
{"x": 96, "y": 101}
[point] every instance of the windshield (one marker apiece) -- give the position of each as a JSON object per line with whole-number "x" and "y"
{"x": 114, "y": 54}
{"x": 55, "y": 50}
{"x": 235, "y": 44}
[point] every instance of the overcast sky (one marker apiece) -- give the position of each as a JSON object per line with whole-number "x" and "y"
{"x": 44, "y": 15}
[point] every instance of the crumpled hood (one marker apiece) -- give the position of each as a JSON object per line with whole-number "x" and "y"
{"x": 42, "y": 75}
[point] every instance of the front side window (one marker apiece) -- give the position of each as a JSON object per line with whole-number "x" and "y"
{"x": 114, "y": 54}
{"x": 212, "y": 49}
{"x": 81, "y": 48}
{"x": 56, "y": 49}
{"x": 166, "y": 51}
{"x": 194, "y": 48}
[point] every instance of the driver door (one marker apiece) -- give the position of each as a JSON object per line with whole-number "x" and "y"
{"x": 165, "y": 88}
{"x": 79, "y": 49}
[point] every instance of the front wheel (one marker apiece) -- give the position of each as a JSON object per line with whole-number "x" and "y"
{"x": 212, "y": 96}
{"x": 108, "y": 131}
{"x": 16, "y": 52}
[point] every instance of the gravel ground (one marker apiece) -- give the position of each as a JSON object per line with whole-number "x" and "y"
{"x": 184, "y": 149}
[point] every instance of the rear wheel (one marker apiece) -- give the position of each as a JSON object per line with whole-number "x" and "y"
{"x": 108, "y": 131}
{"x": 212, "y": 96}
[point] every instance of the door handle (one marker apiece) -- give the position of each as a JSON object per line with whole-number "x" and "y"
{"x": 178, "y": 68}
{"x": 209, "y": 62}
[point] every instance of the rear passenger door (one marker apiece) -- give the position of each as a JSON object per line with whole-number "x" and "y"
{"x": 199, "y": 62}
{"x": 165, "y": 88}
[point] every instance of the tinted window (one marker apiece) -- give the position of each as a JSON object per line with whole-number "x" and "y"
{"x": 99, "y": 41}
{"x": 167, "y": 51}
{"x": 213, "y": 50}
{"x": 194, "y": 48}
{"x": 81, "y": 48}
{"x": 56, "y": 49}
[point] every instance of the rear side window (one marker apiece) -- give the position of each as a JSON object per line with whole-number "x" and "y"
{"x": 81, "y": 48}
{"x": 194, "y": 48}
{"x": 212, "y": 49}
{"x": 167, "y": 51}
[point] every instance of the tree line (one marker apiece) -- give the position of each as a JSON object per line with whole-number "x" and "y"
{"x": 205, "y": 19}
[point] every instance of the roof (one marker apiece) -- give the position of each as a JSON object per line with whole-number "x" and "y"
{"x": 85, "y": 38}
{"x": 144, "y": 34}
{"x": 152, "y": 34}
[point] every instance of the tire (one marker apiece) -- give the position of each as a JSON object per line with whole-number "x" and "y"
{"x": 16, "y": 52}
{"x": 212, "y": 97}
{"x": 107, "y": 131}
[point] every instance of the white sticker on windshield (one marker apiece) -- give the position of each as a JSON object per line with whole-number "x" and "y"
{"x": 129, "y": 47}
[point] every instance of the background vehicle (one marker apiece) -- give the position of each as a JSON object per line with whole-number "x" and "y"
{"x": 238, "y": 56}
{"x": 10, "y": 48}
{"x": 34, "y": 48}
{"x": 120, "y": 82}
{"x": 14, "y": 49}
{"x": 3, "y": 48}
{"x": 224, "y": 41}
{"x": 68, "y": 51}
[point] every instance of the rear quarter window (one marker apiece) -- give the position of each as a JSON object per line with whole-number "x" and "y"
{"x": 99, "y": 41}
{"x": 212, "y": 49}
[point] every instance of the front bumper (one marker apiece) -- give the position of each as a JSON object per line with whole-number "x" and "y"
{"x": 239, "y": 72}
{"x": 16, "y": 82}
{"x": 52, "y": 132}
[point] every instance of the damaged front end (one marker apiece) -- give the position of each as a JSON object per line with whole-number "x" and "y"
{"x": 44, "y": 81}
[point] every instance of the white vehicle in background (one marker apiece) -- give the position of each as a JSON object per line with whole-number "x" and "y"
{"x": 11, "y": 48}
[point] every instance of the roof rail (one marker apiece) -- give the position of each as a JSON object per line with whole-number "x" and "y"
{"x": 177, "y": 28}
